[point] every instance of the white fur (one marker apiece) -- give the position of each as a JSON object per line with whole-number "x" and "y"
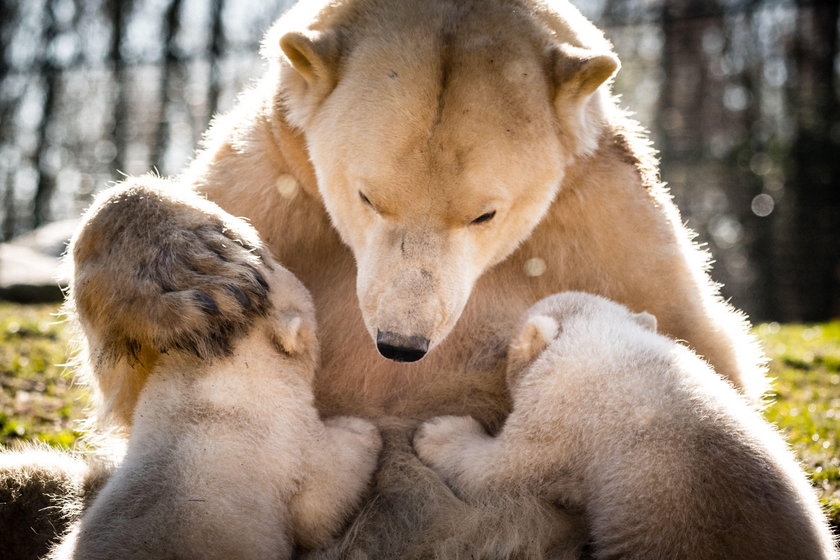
{"x": 666, "y": 458}
{"x": 228, "y": 458}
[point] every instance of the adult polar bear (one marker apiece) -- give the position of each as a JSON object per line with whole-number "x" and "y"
{"x": 471, "y": 157}
{"x": 428, "y": 170}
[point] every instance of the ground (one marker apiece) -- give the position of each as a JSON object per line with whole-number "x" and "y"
{"x": 39, "y": 400}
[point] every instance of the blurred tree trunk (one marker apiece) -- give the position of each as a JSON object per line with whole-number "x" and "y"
{"x": 50, "y": 78}
{"x": 8, "y": 106}
{"x": 746, "y": 168}
{"x": 171, "y": 81}
{"x": 809, "y": 264}
{"x": 217, "y": 39}
{"x": 118, "y": 14}
{"x": 699, "y": 137}
{"x": 690, "y": 96}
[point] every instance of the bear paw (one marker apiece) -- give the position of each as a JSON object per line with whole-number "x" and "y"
{"x": 158, "y": 266}
{"x": 363, "y": 432}
{"x": 439, "y": 437}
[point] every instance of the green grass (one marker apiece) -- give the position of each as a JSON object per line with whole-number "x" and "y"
{"x": 39, "y": 402}
{"x": 806, "y": 365}
{"x": 38, "y": 399}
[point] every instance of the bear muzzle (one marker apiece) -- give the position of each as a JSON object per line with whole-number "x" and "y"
{"x": 401, "y": 348}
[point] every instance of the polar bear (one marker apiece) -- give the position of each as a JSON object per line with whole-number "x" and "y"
{"x": 428, "y": 170}
{"x": 665, "y": 458}
{"x": 227, "y": 457}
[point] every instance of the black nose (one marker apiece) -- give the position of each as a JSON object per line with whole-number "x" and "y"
{"x": 401, "y": 348}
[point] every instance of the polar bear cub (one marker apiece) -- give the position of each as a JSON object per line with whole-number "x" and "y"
{"x": 227, "y": 457}
{"x": 664, "y": 458}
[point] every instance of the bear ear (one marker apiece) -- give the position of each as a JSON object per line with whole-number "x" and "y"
{"x": 579, "y": 72}
{"x": 291, "y": 336}
{"x": 312, "y": 54}
{"x": 533, "y": 339}
{"x": 644, "y": 320}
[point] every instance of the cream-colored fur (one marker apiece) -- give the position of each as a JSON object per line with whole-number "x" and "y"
{"x": 665, "y": 458}
{"x": 439, "y": 112}
{"x": 436, "y": 113}
{"x": 227, "y": 456}
{"x": 509, "y": 526}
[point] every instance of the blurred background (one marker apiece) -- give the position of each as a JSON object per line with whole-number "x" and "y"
{"x": 741, "y": 98}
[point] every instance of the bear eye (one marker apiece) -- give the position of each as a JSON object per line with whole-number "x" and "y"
{"x": 486, "y": 217}
{"x": 367, "y": 201}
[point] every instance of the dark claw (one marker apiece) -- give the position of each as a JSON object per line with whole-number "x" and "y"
{"x": 208, "y": 305}
{"x": 260, "y": 279}
{"x": 219, "y": 250}
{"x": 264, "y": 257}
{"x": 232, "y": 235}
{"x": 240, "y": 296}
{"x": 247, "y": 246}
{"x": 132, "y": 348}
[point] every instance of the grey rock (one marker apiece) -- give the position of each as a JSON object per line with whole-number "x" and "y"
{"x": 30, "y": 265}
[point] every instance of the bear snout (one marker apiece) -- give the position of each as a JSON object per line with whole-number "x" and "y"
{"x": 401, "y": 348}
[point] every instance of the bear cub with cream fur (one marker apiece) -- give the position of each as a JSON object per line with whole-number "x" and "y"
{"x": 227, "y": 457}
{"x": 663, "y": 456}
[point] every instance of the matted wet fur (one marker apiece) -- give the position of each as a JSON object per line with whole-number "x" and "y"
{"x": 428, "y": 170}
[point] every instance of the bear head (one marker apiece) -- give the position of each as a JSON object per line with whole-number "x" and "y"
{"x": 439, "y": 132}
{"x": 576, "y": 317}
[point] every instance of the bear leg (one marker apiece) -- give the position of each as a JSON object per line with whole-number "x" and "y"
{"x": 335, "y": 481}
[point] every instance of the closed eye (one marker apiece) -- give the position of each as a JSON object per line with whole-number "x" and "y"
{"x": 486, "y": 217}
{"x": 365, "y": 199}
